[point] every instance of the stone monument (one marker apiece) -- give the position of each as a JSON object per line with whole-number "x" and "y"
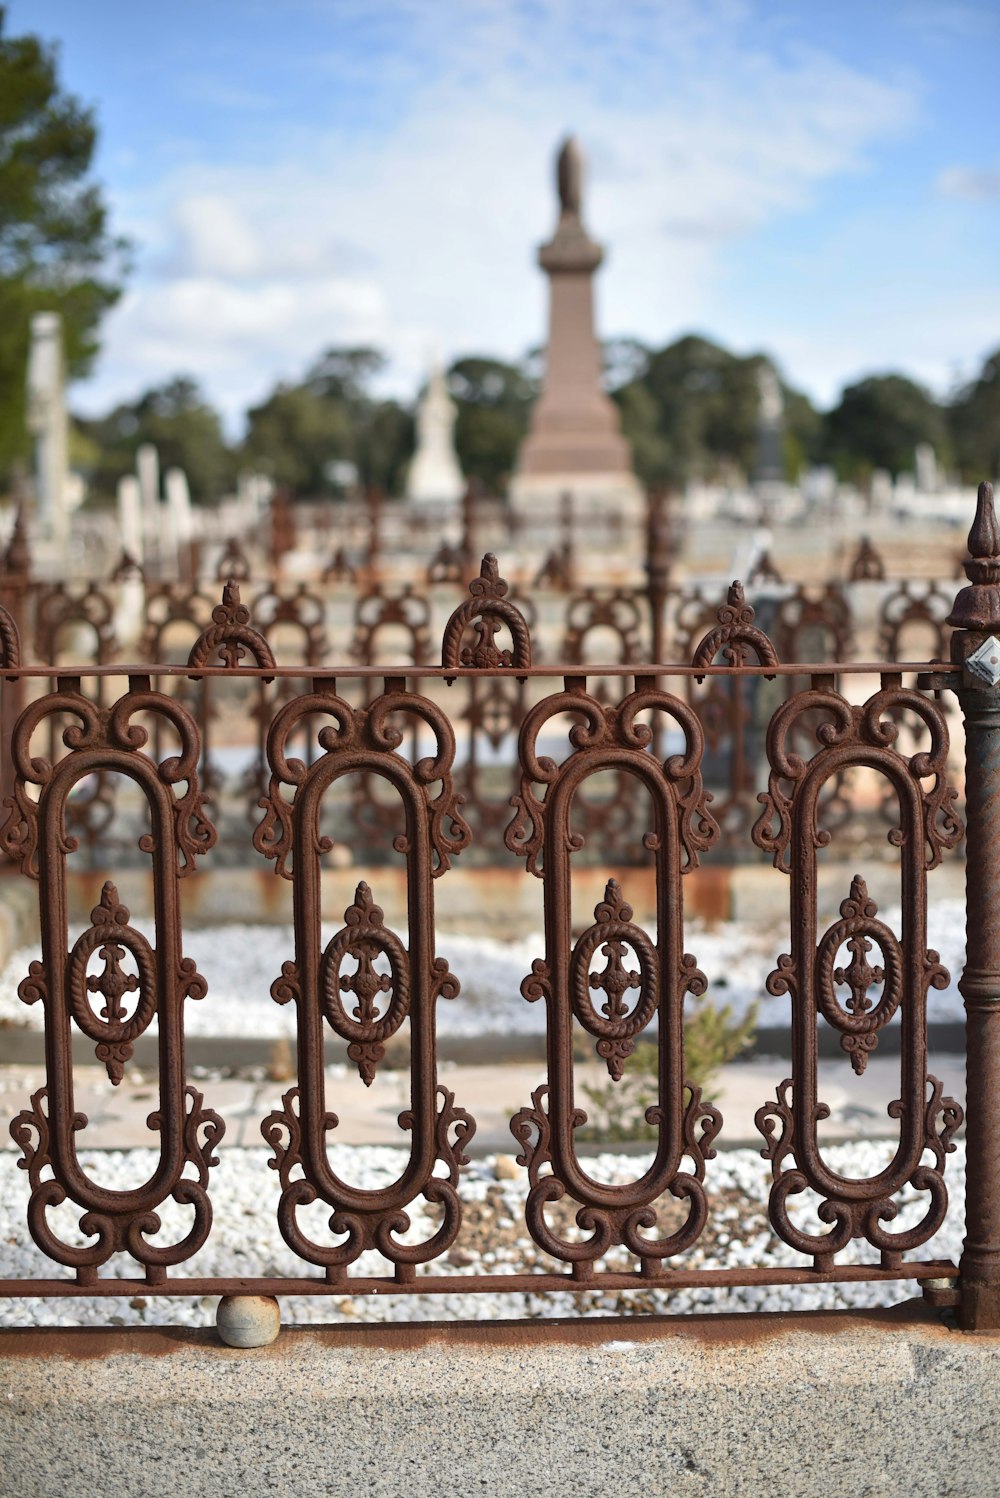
{"x": 574, "y": 443}
{"x": 47, "y": 423}
{"x": 768, "y": 465}
{"x": 434, "y": 476}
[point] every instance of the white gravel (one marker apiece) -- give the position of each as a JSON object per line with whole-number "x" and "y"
{"x": 245, "y": 1241}
{"x": 240, "y": 962}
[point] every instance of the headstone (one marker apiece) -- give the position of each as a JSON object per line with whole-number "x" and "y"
{"x": 880, "y": 489}
{"x": 147, "y": 464}
{"x": 925, "y": 462}
{"x": 574, "y": 441}
{"x": 434, "y": 476}
{"x": 769, "y": 466}
{"x": 130, "y": 517}
{"x": 176, "y": 530}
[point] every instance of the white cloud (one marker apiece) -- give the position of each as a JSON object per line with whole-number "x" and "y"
{"x": 422, "y": 235}
{"x": 970, "y": 184}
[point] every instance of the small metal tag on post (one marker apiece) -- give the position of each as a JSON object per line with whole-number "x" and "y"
{"x": 976, "y": 652}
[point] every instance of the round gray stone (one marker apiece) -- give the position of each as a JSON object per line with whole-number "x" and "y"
{"x": 248, "y": 1320}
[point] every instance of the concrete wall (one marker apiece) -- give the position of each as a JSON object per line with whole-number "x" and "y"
{"x": 875, "y": 1404}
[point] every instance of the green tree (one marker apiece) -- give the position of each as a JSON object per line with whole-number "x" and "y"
{"x": 877, "y": 424}
{"x": 693, "y": 412}
{"x": 974, "y": 419}
{"x": 332, "y": 416}
{"x": 294, "y": 435}
{"x": 183, "y": 427}
{"x": 494, "y": 402}
{"x": 56, "y": 253}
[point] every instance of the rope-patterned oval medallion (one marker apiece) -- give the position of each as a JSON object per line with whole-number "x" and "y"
{"x": 110, "y": 935}
{"x": 858, "y": 1022}
{"x": 613, "y": 931}
{"x": 364, "y": 937}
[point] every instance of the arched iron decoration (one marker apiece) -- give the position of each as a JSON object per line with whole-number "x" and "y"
{"x": 447, "y": 565}
{"x": 725, "y": 706}
{"x": 233, "y": 565}
{"x": 617, "y": 612}
{"x": 339, "y": 569}
{"x": 911, "y": 608}
{"x": 789, "y": 829}
{"x": 10, "y": 639}
{"x": 364, "y": 742}
{"x": 302, "y": 612}
{"x": 127, "y": 568}
{"x": 810, "y": 626}
{"x": 867, "y": 566}
{"x": 610, "y": 818}
{"x": 61, "y": 611}
{"x": 487, "y": 610}
{"x": 805, "y": 618}
{"x": 35, "y": 836}
{"x": 540, "y": 831}
{"x": 231, "y": 636}
{"x": 376, "y": 611}
{"x": 763, "y": 570}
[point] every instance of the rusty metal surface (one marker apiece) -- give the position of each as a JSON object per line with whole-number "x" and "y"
{"x": 790, "y": 829}
{"x": 49, "y": 1130}
{"x": 976, "y": 619}
{"x": 601, "y": 975}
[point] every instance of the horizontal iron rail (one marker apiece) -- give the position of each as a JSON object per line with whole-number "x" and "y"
{"x": 447, "y": 1284}
{"x": 408, "y": 672}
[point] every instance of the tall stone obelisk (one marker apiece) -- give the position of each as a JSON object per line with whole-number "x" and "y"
{"x": 574, "y": 442}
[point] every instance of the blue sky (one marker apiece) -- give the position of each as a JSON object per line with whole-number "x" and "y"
{"x": 820, "y": 181}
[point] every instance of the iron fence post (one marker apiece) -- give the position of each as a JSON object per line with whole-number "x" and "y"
{"x": 16, "y": 582}
{"x": 976, "y": 652}
{"x": 657, "y": 571}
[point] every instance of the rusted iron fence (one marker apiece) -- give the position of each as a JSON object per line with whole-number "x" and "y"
{"x": 337, "y": 624}
{"x": 367, "y": 754}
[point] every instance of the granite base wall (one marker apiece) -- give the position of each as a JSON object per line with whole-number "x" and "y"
{"x": 874, "y": 1404}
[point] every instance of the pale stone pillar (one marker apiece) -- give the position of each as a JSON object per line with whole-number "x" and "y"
{"x": 47, "y": 423}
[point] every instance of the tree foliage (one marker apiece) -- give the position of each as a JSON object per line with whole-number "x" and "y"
{"x": 56, "y": 252}
{"x": 878, "y": 423}
{"x": 300, "y": 431}
{"x": 691, "y": 411}
{"x": 494, "y": 402}
{"x": 183, "y": 427}
{"x": 975, "y": 423}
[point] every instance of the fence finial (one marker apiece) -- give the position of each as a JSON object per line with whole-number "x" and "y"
{"x": 231, "y": 634}
{"x": 486, "y": 609}
{"x": 977, "y": 607}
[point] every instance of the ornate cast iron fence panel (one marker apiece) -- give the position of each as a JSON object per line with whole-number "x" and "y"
{"x": 612, "y": 983}
{"x": 790, "y": 829}
{"x": 541, "y": 832}
{"x": 110, "y": 740}
{"x": 364, "y": 741}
